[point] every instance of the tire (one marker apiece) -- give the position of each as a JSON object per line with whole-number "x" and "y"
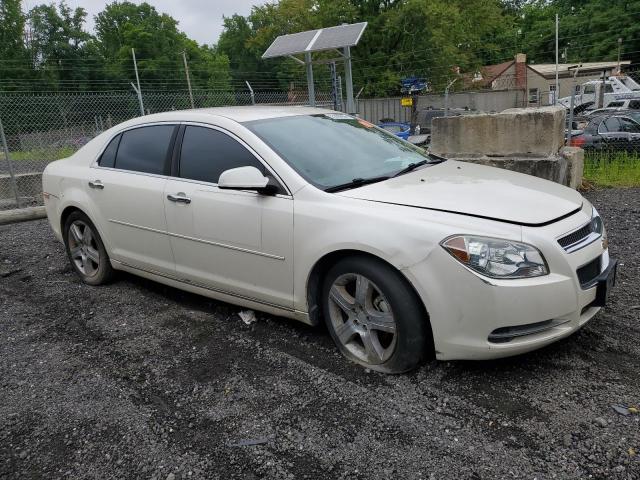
{"x": 86, "y": 251}
{"x": 374, "y": 316}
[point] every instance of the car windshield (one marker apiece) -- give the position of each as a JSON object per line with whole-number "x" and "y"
{"x": 335, "y": 149}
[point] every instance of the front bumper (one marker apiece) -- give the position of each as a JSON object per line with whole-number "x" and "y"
{"x": 466, "y": 309}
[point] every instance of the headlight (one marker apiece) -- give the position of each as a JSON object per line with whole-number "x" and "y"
{"x": 496, "y": 258}
{"x": 596, "y": 222}
{"x": 597, "y": 226}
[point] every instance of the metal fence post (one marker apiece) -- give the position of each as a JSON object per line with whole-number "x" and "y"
{"x": 12, "y": 177}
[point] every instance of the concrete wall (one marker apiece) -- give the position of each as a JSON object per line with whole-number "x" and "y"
{"x": 375, "y": 109}
{"x": 486, "y": 101}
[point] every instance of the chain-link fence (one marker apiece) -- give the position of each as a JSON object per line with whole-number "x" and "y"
{"x": 41, "y": 128}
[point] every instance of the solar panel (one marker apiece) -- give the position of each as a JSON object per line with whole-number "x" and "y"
{"x": 316, "y": 40}
{"x": 289, "y": 44}
{"x": 338, "y": 37}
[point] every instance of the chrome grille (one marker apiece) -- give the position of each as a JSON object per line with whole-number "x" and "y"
{"x": 576, "y": 236}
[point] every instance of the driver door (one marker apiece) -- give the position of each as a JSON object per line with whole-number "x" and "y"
{"x": 237, "y": 242}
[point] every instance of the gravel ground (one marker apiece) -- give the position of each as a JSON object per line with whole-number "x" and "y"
{"x": 138, "y": 380}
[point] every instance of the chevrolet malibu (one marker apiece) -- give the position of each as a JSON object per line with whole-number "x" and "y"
{"x": 322, "y": 217}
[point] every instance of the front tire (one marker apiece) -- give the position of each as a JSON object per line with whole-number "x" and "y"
{"x": 374, "y": 316}
{"x": 86, "y": 251}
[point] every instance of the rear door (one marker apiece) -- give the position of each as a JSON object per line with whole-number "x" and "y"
{"x": 127, "y": 186}
{"x": 632, "y": 129}
{"x": 613, "y": 138}
{"x": 236, "y": 242}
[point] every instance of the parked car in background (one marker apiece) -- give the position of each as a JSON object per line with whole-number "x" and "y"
{"x": 399, "y": 129}
{"x": 608, "y": 132}
{"x": 318, "y": 216}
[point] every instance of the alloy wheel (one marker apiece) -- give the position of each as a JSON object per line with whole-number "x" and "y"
{"x": 83, "y": 248}
{"x": 362, "y": 318}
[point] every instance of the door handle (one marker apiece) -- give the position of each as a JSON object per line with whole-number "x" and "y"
{"x": 96, "y": 184}
{"x": 179, "y": 198}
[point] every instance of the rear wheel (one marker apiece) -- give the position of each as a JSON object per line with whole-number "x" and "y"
{"x": 86, "y": 251}
{"x": 374, "y": 316}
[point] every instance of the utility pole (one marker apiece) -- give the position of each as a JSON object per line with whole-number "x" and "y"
{"x": 186, "y": 69}
{"x": 572, "y": 105}
{"x": 138, "y": 90}
{"x": 619, "y": 47}
{"x": 555, "y": 96}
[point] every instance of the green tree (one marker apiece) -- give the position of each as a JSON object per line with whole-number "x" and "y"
{"x": 158, "y": 45}
{"x": 60, "y": 48}
{"x": 15, "y": 62}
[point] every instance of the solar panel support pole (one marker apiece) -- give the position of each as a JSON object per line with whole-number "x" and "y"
{"x": 351, "y": 107}
{"x": 310, "y": 86}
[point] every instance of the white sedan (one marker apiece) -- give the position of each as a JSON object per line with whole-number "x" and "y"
{"x": 319, "y": 216}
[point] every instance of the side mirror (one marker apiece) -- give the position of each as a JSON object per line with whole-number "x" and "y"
{"x": 244, "y": 178}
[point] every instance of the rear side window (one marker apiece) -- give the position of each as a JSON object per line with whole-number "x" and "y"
{"x": 635, "y": 104}
{"x": 629, "y": 126}
{"x": 612, "y": 125}
{"x": 108, "y": 157}
{"x": 206, "y": 153}
{"x": 145, "y": 149}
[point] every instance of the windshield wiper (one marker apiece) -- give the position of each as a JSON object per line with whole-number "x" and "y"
{"x": 356, "y": 182}
{"x": 410, "y": 167}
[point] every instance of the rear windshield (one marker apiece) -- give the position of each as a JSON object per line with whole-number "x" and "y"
{"x": 333, "y": 149}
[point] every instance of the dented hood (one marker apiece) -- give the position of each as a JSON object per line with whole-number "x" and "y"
{"x": 476, "y": 190}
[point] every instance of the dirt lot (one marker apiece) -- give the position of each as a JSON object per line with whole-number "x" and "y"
{"x": 137, "y": 380}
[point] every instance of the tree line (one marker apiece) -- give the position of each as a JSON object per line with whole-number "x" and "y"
{"x": 49, "y": 48}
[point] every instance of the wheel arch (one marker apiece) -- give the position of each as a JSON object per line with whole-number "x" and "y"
{"x": 73, "y": 207}
{"x": 320, "y": 270}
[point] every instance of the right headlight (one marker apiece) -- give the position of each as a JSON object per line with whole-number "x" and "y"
{"x": 496, "y": 258}
{"x": 597, "y": 226}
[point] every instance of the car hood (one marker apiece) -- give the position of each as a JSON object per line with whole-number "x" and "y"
{"x": 476, "y": 190}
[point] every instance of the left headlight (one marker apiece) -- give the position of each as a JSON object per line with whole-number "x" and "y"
{"x": 496, "y": 258}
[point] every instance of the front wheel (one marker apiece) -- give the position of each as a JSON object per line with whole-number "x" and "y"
{"x": 374, "y": 316}
{"x": 86, "y": 251}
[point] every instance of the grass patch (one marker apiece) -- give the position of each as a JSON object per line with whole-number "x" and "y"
{"x": 612, "y": 169}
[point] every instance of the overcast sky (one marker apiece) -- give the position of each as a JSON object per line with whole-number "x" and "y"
{"x": 201, "y": 20}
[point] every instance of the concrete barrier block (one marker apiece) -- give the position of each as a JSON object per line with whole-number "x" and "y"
{"x": 575, "y": 165}
{"x": 554, "y": 168}
{"x": 513, "y": 132}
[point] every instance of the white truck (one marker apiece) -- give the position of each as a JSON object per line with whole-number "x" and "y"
{"x": 619, "y": 91}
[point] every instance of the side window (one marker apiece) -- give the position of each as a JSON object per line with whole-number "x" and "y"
{"x": 108, "y": 157}
{"x": 629, "y": 126}
{"x": 145, "y": 149}
{"x": 634, "y": 104}
{"x": 608, "y": 88}
{"x": 612, "y": 124}
{"x": 589, "y": 89}
{"x": 615, "y": 104}
{"x": 206, "y": 153}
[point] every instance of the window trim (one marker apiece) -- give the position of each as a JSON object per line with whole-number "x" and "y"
{"x": 175, "y": 161}
{"x": 96, "y": 160}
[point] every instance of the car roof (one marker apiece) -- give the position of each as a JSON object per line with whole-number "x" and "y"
{"x": 238, "y": 114}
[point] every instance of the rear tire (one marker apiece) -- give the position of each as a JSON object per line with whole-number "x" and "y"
{"x": 86, "y": 251}
{"x": 374, "y": 316}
